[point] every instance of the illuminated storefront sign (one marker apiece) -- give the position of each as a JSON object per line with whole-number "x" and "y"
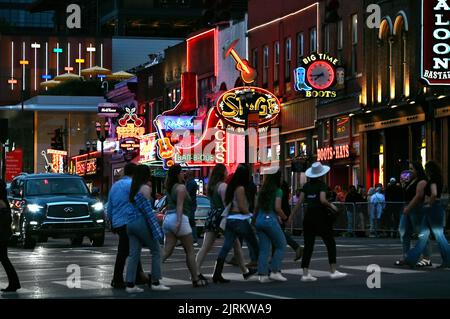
{"x": 330, "y": 153}
{"x": 58, "y": 159}
{"x": 316, "y": 76}
{"x": 435, "y": 48}
{"x": 86, "y": 167}
{"x": 172, "y": 123}
{"x": 108, "y": 110}
{"x": 147, "y": 148}
{"x": 234, "y": 105}
{"x": 130, "y": 125}
{"x": 130, "y": 144}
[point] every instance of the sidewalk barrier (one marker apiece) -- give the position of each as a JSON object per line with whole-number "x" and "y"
{"x": 359, "y": 219}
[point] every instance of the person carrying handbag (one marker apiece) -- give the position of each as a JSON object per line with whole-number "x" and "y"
{"x": 143, "y": 229}
{"x": 5, "y": 235}
{"x": 318, "y": 220}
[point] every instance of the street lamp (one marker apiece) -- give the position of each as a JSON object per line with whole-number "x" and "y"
{"x": 102, "y": 138}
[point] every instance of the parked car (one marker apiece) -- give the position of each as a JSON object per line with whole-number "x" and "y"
{"x": 203, "y": 207}
{"x": 55, "y": 205}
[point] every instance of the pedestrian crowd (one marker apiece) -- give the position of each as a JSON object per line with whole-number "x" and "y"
{"x": 240, "y": 212}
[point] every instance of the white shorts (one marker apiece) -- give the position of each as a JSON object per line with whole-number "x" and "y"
{"x": 170, "y": 222}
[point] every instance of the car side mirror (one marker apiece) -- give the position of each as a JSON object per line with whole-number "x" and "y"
{"x": 95, "y": 191}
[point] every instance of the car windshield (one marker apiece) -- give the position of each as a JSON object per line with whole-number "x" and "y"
{"x": 56, "y": 186}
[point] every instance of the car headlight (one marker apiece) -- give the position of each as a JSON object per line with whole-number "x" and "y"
{"x": 97, "y": 206}
{"x": 34, "y": 208}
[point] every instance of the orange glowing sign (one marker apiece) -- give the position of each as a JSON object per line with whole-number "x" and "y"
{"x": 336, "y": 152}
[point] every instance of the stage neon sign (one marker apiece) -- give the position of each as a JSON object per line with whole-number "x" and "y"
{"x": 234, "y": 105}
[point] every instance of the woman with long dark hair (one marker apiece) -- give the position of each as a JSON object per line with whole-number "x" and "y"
{"x": 434, "y": 215}
{"x": 413, "y": 213}
{"x": 268, "y": 228}
{"x": 216, "y": 193}
{"x": 5, "y": 235}
{"x": 176, "y": 223}
{"x": 237, "y": 221}
{"x": 318, "y": 220}
{"x": 143, "y": 229}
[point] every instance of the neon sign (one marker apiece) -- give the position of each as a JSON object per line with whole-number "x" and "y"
{"x": 130, "y": 125}
{"x": 435, "y": 42}
{"x": 316, "y": 76}
{"x": 58, "y": 157}
{"x": 172, "y": 123}
{"x": 147, "y": 148}
{"x": 330, "y": 153}
{"x": 234, "y": 105}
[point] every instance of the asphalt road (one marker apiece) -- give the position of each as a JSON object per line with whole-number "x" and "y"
{"x": 45, "y": 270}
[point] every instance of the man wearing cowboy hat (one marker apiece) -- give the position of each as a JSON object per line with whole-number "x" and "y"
{"x": 318, "y": 220}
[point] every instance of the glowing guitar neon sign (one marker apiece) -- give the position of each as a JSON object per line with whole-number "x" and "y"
{"x": 248, "y": 74}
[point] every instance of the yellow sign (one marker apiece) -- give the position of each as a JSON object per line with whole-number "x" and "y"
{"x": 129, "y": 131}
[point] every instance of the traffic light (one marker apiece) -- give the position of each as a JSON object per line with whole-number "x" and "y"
{"x": 331, "y": 12}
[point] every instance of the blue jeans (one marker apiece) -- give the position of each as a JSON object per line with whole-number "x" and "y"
{"x": 140, "y": 234}
{"x": 234, "y": 229}
{"x": 269, "y": 233}
{"x": 434, "y": 221}
{"x": 409, "y": 225}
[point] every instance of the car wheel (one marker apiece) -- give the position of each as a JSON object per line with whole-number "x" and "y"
{"x": 98, "y": 240}
{"x": 77, "y": 241}
{"x": 27, "y": 241}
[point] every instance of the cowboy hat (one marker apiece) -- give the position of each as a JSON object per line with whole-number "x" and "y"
{"x": 317, "y": 170}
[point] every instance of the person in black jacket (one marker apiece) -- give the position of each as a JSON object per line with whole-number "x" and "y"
{"x": 5, "y": 235}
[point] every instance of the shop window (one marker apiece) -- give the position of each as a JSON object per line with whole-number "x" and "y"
{"x": 287, "y": 70}
{"x": 326, "y": 130}
{"x": 265, "y": 66}
{"x": 290, "y": 149}
{"x": 326, "y": 44}
{"x": 341, "y": 127}
{"x": 276, "y": 67}
{"x": 300, "y": 47}
{"x": 302, "y": 149}
{"x": 313, "y": 40}
{"x": 315, "y": 145}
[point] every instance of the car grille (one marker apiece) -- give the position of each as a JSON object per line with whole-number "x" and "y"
{"x": 67, "y": 211}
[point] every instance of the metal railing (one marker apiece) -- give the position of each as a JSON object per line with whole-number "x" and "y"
{"x": 361, "y": 218}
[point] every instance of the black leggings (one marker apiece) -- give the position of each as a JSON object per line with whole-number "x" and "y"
{"x": 317, "y": 223}
{"x": 9, "y": 268}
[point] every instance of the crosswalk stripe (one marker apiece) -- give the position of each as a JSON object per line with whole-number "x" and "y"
{"x": 299, "y": 272}
{"x": 86, "y": 284}
{"x": 387, "y": 270}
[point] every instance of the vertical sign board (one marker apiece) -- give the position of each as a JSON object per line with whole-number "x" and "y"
{"x": 14, "y": 164}
{"x": 435, "y": 40}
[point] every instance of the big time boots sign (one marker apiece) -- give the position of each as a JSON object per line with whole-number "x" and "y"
{"x": 436, "y": 42}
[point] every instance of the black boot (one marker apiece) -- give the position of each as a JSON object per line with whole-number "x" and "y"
{"x": 217, "y": 277}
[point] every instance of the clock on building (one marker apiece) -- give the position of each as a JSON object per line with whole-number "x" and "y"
{"x": 320, "y": 75}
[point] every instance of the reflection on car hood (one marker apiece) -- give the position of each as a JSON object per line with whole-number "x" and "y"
{"x": 43, "y": 200}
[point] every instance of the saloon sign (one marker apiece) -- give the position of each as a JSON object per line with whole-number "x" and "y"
{"x": 435, "y": 42}
{"x": 234, "y": 105}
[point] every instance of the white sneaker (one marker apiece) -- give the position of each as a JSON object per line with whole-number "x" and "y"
{"x": 134, "y": 289}
{"x": 308, "y": 278}
{"x": 277, "y": 276}
{"x": 160, "y": 287}
{"x": 264, "y": 279}
{"x": 338, "y": 275}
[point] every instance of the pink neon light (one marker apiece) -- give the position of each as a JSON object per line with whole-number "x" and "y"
{"x": 195, "y": 37}
{"x": 204, "y": 133}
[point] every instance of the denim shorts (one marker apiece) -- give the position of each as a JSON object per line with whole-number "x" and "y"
{"x": 170, "y": 222}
